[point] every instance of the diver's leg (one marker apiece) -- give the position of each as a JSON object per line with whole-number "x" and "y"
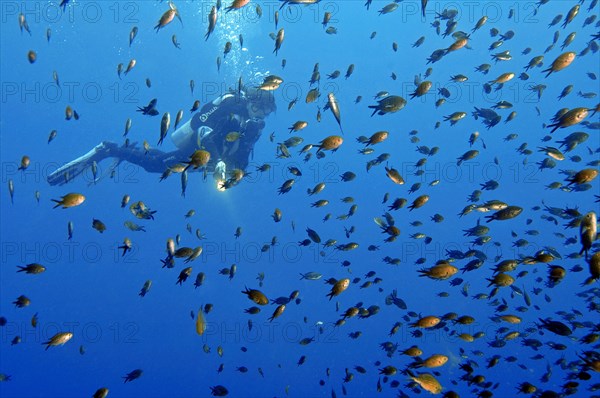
{"x": 67, "y": 172}
{"x": 154, "y": 161}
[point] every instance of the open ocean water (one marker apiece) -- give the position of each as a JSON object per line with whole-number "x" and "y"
{"x": 468, "y": 177}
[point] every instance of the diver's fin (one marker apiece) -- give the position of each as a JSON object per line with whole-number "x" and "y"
{"x": 78, "y": 166}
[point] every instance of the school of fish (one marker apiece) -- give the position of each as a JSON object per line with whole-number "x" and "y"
{"x": 518, "y": 293}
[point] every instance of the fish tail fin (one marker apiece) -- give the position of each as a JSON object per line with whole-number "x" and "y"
{"x": 588, "y": 281}
{"x": 58, "y": 203}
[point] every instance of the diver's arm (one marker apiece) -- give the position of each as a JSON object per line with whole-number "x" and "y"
{"x": 153, "y": 161}
{"x": 252, "y": 129}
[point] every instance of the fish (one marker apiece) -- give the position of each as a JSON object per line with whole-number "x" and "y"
{"x": 423, "y": 7}
{"x": 200, "y": 323}
{"x": 146, "y": 288}
{"x": 279, "y": 41}
{"x": 31, "y": 56}
{"x": 389, "y": 104}
{"x": 178, "y": 118}
{"x": 58, "y": 339}
{"x": 335, "y": 110}
{"x": 175, "y": 42}
{"x": 561, "y": 62}
{"x": 212, "y": 23}
{"x": 132, "y": 34}
{"x": 149, "y": 109}
{"x": 167, "y": 17}
{"x": 236, "y": 5}
{"x": 23, "y": 25}
{"x": 528, "y": 226}
{"x": 72, "y": 199}
{"x": 133, "y": 375}
{"x": 164, "y": 127}
{"x": 311, "y": 276}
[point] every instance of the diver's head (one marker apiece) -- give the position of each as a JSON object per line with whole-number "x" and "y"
{"x": 261, "y": 103}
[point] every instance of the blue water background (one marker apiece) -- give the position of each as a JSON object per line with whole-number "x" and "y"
{"x": 90, "y": 289}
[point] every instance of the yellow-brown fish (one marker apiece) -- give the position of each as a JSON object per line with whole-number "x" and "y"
{"x": 58, "y": 339}
{"x": 212, "y": 22}
{"x": 279, "y": 41}
{"x": 167, "y": 17}
{"x": 560, "y": 63}
{"x": 69, "y": 200}
{"x": 331, "y": 143}
{"x": 164, "y": 127}
{"x": 338, "y": 287}
{"x": 130, "y": 66}
{"x": 236, "y": 5}
{"x": 335, "y": 109}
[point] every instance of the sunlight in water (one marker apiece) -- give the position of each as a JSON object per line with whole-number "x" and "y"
{"x": 240, "y": 61}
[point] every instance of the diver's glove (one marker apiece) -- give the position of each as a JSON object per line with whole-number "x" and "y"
{"x": 220, "y": 172}
{"x": 220, "y": 175}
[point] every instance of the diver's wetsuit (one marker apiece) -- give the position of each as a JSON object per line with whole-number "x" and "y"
{"x": 228, "y": 113}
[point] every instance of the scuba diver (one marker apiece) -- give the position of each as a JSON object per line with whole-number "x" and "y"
{"x": 227, "y": 128}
